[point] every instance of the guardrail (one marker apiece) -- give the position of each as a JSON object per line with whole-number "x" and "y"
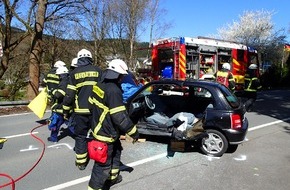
{"x": 14, "y": 103}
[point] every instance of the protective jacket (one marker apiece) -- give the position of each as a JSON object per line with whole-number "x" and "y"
{"x": 226, "y": 78}
{"x": 52, "y": 81}
{"x": 58, "y": 94}
{"x": 109, "y": 113}
{"x": 252, "y": 82}
{"x": 80, "y": 86}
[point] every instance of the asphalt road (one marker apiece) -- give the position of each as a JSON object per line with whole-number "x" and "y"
{"x": 262, "y": 162}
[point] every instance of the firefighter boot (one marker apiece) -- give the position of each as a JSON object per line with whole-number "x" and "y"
{"x": 83, "y": 165}
{"x": 110, "y": 183}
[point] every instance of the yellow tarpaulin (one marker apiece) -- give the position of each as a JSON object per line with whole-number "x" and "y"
{"x": 39, "y": 103}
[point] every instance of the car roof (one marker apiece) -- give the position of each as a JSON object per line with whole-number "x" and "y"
{"x": 187, "y": 82}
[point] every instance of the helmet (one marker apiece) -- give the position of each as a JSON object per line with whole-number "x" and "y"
{"x": 74, "y": 62}
{"x": 59, "y": 64}
{"x": 84, "y": 53}
{"x": 226, "y": 66}
{"x": 253, "y": 66}
{"x": 119, "y": 66}
{"x": 61, "y": 70}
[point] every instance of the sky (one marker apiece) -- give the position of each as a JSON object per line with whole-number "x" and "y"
{"x": 192, "y": 18}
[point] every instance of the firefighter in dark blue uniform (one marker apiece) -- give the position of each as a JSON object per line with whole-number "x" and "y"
{"x": 80, "y": 86}
{"x": 252, "y": 85}
{"x": 56, "y": 119}
{"x": 52, "y": 80}
{"x": 109, "y": 119}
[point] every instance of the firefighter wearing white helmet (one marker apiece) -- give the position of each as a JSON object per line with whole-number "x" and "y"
{"x": 59, "y": 64}
{"x": 226, "y": 66}
{"x": 61, "y": 70}
{"x": 109, "y": 118}
{"x": 84, "y": 53}
{"x": 79, "y": 88}
{"x": 116, "y": 68}
{"x": 51, "y": 80}
{"x": 225, "y": 76}
{"x": 56, "y": 119}
{"x": 74, "y": 63}
{"x": 252, "y": 85}
{"x": 253, "y": 66}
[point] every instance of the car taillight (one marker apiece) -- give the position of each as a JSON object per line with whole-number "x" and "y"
{"x": 236, "y": 122}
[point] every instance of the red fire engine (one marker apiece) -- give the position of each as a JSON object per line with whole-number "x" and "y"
{"x": 200, "y": 57}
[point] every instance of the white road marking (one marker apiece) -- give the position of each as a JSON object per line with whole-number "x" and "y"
{"x": 268, "y": 124}
{"x": 241, "y": 158}
{"x": 61, "y": 144}
{"x": 156, "y": 157}
{"x": 19, "y": 135}
{"x": 28, "y": 149}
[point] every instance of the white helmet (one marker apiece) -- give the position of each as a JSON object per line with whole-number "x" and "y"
{"x": 84, "y": 53}
{"x": 74, "y": 62}
{"x": 119, "y": 66}
{"x": 253, "y": 66}
{"x": 61, "y": 70}
{"x": 226, "y": 66}
{"x": 59, "y": 64}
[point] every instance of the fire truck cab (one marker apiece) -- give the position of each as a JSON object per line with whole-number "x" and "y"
{"x": 200, "y": 58}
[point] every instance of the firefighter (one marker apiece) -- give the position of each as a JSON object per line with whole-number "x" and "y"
{"x": 81, "y": 82}
{"x": 56, "y": 119}
{"x": 225, "y": 77}
{"x": 252, "y": 85}
{"x": 68, "y": 119}
{"x": 52, "y": 80}
{"x": 73, "y": 64}
{"x": 109, "y": 119}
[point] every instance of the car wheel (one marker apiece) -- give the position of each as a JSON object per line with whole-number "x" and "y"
{"x": 215, "y": 144}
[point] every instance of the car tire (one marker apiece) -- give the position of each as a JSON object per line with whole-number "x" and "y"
{"x": 215, "y": 144}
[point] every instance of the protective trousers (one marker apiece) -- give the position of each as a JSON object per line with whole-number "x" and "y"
{"x": 251, "y": 97}
{"x": 56, "y": 120}
{"x": 103, "y": 174}
{"x": 82, "y": 124}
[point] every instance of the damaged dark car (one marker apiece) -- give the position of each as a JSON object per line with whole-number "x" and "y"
{"x": 192, "y": 110}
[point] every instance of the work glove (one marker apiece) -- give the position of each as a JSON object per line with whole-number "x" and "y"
{"x": 135, "y": 137}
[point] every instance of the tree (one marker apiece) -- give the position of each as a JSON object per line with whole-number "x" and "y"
{"x": 256, "y": 29}
{"x": 31, "y": 17}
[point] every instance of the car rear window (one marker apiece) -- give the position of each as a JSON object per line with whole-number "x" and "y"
{"x": 230, "y": 97}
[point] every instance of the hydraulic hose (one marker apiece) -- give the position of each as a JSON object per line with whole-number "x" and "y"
{"x": 12, "y": 183}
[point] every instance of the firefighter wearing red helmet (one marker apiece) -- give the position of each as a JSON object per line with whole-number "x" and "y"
{"x": 109, "y": 119}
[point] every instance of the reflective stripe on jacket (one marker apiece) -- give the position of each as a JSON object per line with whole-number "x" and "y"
{"x": 51, "y": 81}
{"x": 109, "y": 113}
{"x": 252, "y": 84}
{"x": 226, "y": 78}
{"x": 80, "y": 87}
